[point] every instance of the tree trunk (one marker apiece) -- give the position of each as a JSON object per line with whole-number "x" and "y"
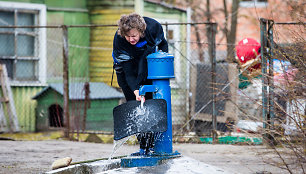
{"x": 231, "y": 36}
{"x": 201, "y": 56}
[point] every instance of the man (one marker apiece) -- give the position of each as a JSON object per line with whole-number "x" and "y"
{"x": 135, "y": 39}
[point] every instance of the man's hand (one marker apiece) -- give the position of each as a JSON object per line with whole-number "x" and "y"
{"x": 138, "y": 97}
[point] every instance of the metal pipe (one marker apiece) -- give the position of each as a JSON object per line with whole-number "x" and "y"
{"x": 212, "y": 54}
{"x": 263, "y": 40}
{"x": 271, "y": 72}
{"x": 98, "y": 25}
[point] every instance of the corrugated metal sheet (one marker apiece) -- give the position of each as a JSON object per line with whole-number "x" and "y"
{"x": 77, "y": 92}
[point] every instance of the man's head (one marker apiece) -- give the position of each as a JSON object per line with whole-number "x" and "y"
{"x": 132, "y": 27}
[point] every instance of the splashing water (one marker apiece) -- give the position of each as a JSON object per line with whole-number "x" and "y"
{"x": 142, "y": 118}
{"x": 117, "y": 145}
{"x": 139, "y": 111}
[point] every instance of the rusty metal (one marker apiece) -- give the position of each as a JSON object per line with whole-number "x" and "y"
{"x": 271, "y": 72}
{"x": 86, "y": 104}
{"x": 212, "y": 53}
{"x": 66, "y": 79}
{"x": 99, "y": 25}
{"x": 263, "y": 39}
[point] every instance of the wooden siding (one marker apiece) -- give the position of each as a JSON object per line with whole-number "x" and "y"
{"x": 25, "y": 106}
{"x": 80, "y": 4}
{"x": 110, "y": 4}
{"x": 99, "y": 116}
{"x": 101, "y": 61}
{"x": 57, "y": 14}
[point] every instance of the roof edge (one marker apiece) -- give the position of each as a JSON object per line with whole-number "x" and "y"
{"x": 166, "y": 5}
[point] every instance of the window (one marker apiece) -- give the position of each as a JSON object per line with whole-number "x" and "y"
{"x": 22, "y": 50}
{"x": 252, "y": 3}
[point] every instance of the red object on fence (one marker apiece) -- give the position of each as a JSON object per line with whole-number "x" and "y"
{"x": 248, "y": 49}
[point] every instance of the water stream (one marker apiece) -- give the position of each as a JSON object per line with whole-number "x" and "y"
{"x": 117, "y": 145}
{"x": 142, "y": 102}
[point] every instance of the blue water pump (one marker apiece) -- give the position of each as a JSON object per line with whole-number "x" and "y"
{"x": 160, "y": 70}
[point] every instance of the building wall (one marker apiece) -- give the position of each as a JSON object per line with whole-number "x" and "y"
{"x": 277, "y": 10}
{"x": 105, "y": 12}
{"x": 70, "y": 12}
{"x": 25, "y": 106}
{"x": 99, "y": 116}
{"x": 59, "y": 12}
{"x": 179, "y": 91}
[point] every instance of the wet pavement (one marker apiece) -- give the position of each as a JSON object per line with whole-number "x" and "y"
{"x": 26, "y": 157}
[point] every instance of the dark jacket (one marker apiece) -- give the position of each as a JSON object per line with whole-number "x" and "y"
{"x": 131, "y": 59}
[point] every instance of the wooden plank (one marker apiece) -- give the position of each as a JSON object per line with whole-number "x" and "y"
{"x": 10, "y": 106}
{"x": 3, "y": 122}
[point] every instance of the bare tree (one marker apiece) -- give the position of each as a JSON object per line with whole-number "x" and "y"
{"x": 230, "y": 34}
{"x": 206, "y": 13}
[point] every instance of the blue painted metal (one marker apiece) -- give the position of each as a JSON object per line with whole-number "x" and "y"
{"x": 149, "y": 160}
{"x": 160, "y": 70}
{"x": 160, "y": 66}
{"x": 148, "y": 88}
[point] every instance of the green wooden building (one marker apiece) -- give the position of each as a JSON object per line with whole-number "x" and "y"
{"x": 98, "y": 109}
{"x": 34, "y": 56}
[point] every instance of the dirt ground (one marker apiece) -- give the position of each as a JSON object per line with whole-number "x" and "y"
{"x": 25, "y": 157}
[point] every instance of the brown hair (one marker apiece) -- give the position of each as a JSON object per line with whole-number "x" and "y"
{"x": 128, "y": 22}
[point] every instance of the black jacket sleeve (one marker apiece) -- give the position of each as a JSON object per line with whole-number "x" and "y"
{"x": 121, "y": 49}
{"x": 130, "y": 73}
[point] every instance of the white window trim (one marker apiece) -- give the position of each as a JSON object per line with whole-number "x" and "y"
{"x": 42, "y": 63}
{"x": 177, "y": 61}
{"x": 252, "y": 3}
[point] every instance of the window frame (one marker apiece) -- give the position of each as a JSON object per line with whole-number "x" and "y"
{"x": 253, "y": 3}
{"x": 39, "y": 12}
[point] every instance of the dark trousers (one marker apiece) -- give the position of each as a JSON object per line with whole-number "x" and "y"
{"x": 146, "y": 139}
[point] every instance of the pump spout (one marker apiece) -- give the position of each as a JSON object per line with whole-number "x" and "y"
{"x": 147, "y": 88}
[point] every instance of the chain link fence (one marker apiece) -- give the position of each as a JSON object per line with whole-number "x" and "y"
{"x": 283, "y": 94}
{"x": 210, "y": 96}
{"x": 34, "y": 57}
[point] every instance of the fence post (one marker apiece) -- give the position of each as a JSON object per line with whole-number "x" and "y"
{"x": 266, "y": 37}
{"x": 66, "y": 80}
{"x": 263, "y": 43}
{"x": 271, "y": 72}
{"x": 212, "y": 54}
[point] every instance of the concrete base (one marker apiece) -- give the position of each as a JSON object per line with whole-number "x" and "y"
{"x": 179, "y": 165}
{"x": 93, "y": 167}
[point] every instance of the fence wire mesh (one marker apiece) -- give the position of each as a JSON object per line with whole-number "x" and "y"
{"x": 284, "y": 99}
{"x": 34, "y": 59}
{"x": 39, "y": 56}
